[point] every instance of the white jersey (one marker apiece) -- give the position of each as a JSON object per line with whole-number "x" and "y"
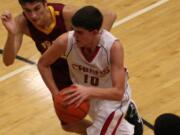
{"x": 96, "y": 72}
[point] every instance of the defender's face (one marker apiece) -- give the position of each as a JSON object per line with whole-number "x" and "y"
{"x": 84, "y": 38}
{"x": 35, "y": 12}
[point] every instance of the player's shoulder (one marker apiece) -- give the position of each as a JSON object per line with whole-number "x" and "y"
{"x": 106, "y": 33}
{"x": 68, "y": 12}
{"x": 62, "y": 39}
{"x": 107, "y": 37}
{"x": 20, "y": 20}
{"x": 22, "y": 23}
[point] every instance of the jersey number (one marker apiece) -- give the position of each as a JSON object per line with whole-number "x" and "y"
{"x": 91, "y": 79}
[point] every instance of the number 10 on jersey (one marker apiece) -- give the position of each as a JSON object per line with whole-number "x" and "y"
{"x": 91, "y": 80}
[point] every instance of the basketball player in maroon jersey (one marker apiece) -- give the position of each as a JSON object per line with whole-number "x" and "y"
{"x": 43, "y": 22}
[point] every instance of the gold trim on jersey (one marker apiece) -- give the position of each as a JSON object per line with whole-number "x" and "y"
{"x": 53, "y": 23}
{"x": 56, "y": 12}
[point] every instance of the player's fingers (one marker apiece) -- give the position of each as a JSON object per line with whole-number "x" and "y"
{"x": 3, "y": 18}
{"x": 6, "y": 14}
{"x": 74, "y": 100}
{"x": 68, "y": 92}
{"x": 79, "y": 102}
{"x": 70, "y": 96}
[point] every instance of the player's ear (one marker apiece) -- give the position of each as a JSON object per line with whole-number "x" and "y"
{"x": 95, "y": 31}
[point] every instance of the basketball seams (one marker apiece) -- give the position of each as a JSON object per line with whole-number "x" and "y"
{"x": 70, "y": 113}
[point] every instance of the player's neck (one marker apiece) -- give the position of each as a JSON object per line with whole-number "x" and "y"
{"x": 95, "y": 42}
{"x": 89, "y": 53}
{"x": 93, "y": 45}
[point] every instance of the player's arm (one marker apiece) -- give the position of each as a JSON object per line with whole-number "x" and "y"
{"x": 68, "y": 12}
{"x": 109, "y": 17}
{"x": 14, "y": 37}
{"x": 48, "y": 58}
{"x": 118, "y": 76}
{"x": 118, "y": 70}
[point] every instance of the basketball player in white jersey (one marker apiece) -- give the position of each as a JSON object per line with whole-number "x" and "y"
{"x": 96, "y": 63}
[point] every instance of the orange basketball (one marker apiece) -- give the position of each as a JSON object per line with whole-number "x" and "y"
{"x": 70, "y": 113}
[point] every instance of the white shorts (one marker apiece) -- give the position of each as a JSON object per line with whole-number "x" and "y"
{"x": 108, "y": 119}
{"x": 108, "y": 116}
{"x": 113, "y": 124}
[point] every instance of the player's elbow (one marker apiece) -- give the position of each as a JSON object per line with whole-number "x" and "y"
{"x": 114, "y": 16}
{"x": 7, "y": 58}
{"x": 7, "y": 62}
{"x": 109, "y": 20}
{"x": 119, "y": 94}
{"x": 41, "y": 64}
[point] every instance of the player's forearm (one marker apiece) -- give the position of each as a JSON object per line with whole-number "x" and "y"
{"x": 109, "y": 19}
{"x": 106, "y": 93}
{"x": 47, "y": 77}
{"x": 9, "y": 52}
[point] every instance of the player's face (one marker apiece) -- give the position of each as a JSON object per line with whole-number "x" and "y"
{"x": 84, "y": 38}
{"x": 35, "y": 12}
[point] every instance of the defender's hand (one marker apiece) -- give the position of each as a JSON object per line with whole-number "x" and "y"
{"x": 9, "y": 22}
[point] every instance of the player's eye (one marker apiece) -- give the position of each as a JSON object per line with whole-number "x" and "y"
{"x": 37, "y": 8}
{"x": 27, "y": 10}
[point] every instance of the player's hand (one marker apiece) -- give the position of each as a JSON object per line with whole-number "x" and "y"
{"x": 54, "y": 94}
{"x": 9, "y": 22}
{"x": 76, "y": 94}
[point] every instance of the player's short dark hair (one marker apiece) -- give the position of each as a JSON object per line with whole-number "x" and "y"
{"x": 22, "y": 2}
{"x": 88, "y": 17}
{"x": 167, "y": 124}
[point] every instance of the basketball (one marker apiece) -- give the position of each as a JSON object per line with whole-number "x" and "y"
{"x": 70, "y": 113}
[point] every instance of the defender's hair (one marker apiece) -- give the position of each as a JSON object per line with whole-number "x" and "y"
{"x": 88, "y": 17}
{"x": 22, "y": 2}
{"x": 167, "y": 124}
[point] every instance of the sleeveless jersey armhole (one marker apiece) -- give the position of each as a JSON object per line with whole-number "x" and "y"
{"x": 69, "y": 44}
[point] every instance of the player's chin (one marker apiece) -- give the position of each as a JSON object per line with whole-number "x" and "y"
{"x": 38, "y": 23}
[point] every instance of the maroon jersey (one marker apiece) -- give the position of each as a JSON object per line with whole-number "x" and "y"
{"x": 43, "y": 39}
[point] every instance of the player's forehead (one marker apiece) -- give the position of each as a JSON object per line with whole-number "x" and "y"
{"x": 79, "y": 29}
{"x": 31, "y": 5}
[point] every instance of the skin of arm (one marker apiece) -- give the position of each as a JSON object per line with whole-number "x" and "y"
{"x": 48, "y": 58}
{"x": 118, "y": 76}
{"x": 68, "y": 12}
{"x": 14, "y": 38}
{"x": 109, "y": 18}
